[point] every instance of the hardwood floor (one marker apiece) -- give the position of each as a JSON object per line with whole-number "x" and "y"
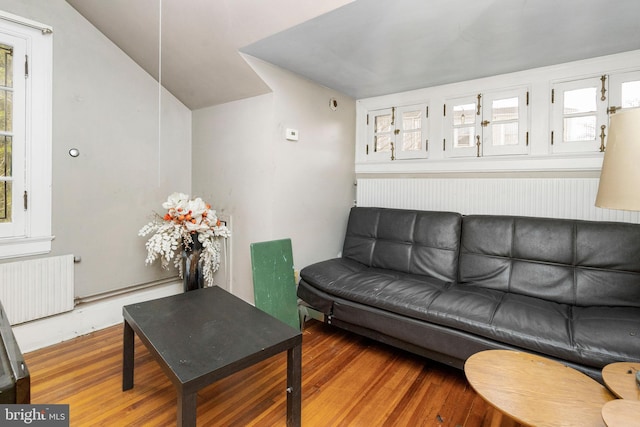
{"x": 347, "y": 381}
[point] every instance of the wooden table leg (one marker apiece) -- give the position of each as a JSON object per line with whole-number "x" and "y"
{"x": 127, "y": 357}
{"x": 294, "y": 386}
{"x": 187, "y": 407}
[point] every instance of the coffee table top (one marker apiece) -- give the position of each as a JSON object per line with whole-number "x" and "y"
{"x": 536, "y": 391}
{"x": 620, "y": 378}
{"x": 206, "y": 334}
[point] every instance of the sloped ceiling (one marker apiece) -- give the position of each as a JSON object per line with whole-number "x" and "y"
{"x": 362, "y": 48}
{"x": 201, "y": 62}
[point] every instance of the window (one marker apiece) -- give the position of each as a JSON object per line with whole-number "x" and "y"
{"x": 624, "y": 91}
{"x": 579, "y": 120}
{"x": 398, "y": 133}
{"x": 25, "y": 137}
{"x": 580, "y": 110}
{"x": 489, "y": 124}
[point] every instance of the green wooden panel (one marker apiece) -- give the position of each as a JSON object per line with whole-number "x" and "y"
{"x": 274, "y": 287}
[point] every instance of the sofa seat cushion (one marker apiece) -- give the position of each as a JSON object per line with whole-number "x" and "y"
{"x": 606, "y": 334}
{"x": 397, "y": 292}
{"x": 567, "y": 332}
{"x": 592, "y": 336}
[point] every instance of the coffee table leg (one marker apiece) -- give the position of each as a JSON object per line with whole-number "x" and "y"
{"x": 127, "y": 357}
{"x": 187, "y": 406}
{"x": 294, "y": 386}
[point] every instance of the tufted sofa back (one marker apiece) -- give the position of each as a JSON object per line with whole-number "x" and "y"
{"x": 583, "y": 263}
{"x": 408, "y": 241}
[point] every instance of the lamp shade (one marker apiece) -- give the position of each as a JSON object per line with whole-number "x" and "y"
{"x": 620, "y": 176}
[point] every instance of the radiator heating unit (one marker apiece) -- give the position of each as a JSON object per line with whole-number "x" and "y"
{"x": 37, "y": 288}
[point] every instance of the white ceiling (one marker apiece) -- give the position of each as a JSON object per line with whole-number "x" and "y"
{"x": 362, "y": 48}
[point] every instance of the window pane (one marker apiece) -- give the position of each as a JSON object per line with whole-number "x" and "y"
{"x": 383, "y": 123}
{"x": 505, "y": 134}
{"x": 505, "y": 109}
{"x": 6, "y": 83}
{"x": 580, "y": 100}
{"x": 6, "y": 66}
{"x": 463, "y": 137}
{"x": 5, "y": 156}
{"x": 6, "y": 108}
{"x": 411, "y": 120}
{"x": 5, "y": 201}
{"x": 382, "y": 143}
{"x": 630, "y": 94}
{"x": 464, "y": 114}
{"x": 580, "y": 128}
{"x": 411, "y": 141}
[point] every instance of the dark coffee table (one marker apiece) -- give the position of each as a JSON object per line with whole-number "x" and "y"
{"x": 204, "y": 335}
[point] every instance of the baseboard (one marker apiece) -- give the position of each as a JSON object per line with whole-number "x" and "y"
{"x": 84, "y": 318}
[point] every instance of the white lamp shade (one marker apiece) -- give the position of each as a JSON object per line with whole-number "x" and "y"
{"x": 620, "y": 176}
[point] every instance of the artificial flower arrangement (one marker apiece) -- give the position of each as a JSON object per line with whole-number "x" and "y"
{"x": 184, "y": 221}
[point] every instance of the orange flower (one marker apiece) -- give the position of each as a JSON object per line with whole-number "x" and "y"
{"x": 167, "y": 217}
{"x": 181, "y": 218}
{"x": 218, "y": 223}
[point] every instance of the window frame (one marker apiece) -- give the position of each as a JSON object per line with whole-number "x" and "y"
{"x": 488, "y": 149}
{"x": 558, "y": 89}
{"x": 482, "y": 125}
{"x": 36, "y": 236}
{"x": 616, "y": 80}
{"x": 396, "y": 134}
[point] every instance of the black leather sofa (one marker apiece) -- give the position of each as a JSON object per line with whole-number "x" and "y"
{"x": 447, "y": 286}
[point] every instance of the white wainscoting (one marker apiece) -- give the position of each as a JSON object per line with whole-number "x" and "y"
{"x": 571, "y": 198}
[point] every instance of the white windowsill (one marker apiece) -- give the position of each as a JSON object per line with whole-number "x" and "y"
{"x": 18, "y": 247}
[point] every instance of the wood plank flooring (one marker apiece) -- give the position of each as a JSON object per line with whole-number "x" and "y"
{"x": 347, "y": 381}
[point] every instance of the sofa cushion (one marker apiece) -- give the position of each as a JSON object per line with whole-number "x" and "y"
{"x": 407, "y": 241}
{"x": 397, "y": 292}
{"x": 566, "y": 261}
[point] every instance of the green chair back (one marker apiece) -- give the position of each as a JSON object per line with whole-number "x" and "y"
{"x": 274, "y": 287}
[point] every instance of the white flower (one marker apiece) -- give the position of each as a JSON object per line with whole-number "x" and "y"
{"x": 175, "y": 201}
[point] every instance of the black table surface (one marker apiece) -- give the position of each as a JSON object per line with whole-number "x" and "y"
{"x": 208, "y": 333}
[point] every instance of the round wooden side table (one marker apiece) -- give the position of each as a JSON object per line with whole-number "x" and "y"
{"x": 621, "y": 413}
{"x": 620, "y": 378}
{"x": 536, "y": 391}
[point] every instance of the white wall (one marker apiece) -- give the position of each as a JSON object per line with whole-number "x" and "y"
{"x": 271, "y": 187}
{"x": 107, "y": 106}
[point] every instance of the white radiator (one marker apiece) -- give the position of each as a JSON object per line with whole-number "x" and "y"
{"x": 36, "y": 288}
{"x": 571, "y": 198}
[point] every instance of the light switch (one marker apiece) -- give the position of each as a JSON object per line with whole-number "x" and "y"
{"x": 292, "y": 134}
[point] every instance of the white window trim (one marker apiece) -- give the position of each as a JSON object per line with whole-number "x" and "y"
{"x": 38, "y": 178}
